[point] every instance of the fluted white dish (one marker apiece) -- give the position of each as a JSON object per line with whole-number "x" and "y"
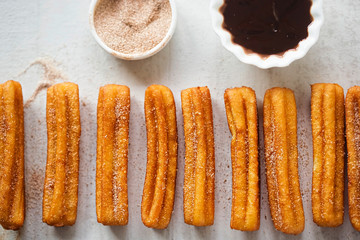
{"x": 272, "y": 60}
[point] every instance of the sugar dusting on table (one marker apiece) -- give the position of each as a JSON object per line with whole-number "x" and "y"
{"x": 51, "y": 73}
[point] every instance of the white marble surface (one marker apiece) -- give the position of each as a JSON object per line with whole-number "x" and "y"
{"x": 59, "y": 30}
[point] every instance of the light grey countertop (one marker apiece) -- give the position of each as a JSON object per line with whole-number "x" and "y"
{"x": 58, "y": 31}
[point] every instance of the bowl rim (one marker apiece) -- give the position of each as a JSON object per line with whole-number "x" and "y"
{"x": 137, "y": 56}
{"x": 273, "y": 60}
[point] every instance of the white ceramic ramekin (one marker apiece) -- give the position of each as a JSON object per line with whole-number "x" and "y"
{"x": 273, "y": 60}
{"x": 138, "y": 56}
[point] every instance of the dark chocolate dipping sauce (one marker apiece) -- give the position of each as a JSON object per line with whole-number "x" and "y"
{"x": 267, "y": 26}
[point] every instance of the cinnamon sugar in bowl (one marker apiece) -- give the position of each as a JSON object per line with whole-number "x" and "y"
{"x": 132, "y": 29}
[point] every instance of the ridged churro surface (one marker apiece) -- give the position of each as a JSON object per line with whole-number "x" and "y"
{"x": 199, "y": 174}
{"x": 241, "y": 111}
{"x": 62, "y": 167}
{"x": 12, "y": 200}
{"x": 327, "y": 120}
{"x": 159, "y": 187}
{"x": 113, "y": 115}
{"x": 281, "y": 155}
{"x": 352, "y": 111}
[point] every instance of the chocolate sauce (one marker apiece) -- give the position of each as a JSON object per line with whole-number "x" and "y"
{"x": 267, "y": 26}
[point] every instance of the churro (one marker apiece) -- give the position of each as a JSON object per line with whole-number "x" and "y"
{"x": 199, "y": 157}
{"x": 241, "y": 111}
{"x": 12, "y": 200}
{"x": 327, "y": 120}
{"x": 62, "y": 167}
{"x": 159, "y": 187}
{"x": 352, "y": 111}
{"x": 281, "y": 155}
{"x": 112, "y": 154}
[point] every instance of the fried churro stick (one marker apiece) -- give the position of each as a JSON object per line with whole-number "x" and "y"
{"x": 11, "y": 156}
{"x": 281, "y": 154}
{"x": 159, "y": 187}
{"x": 112, "y": 155}
{"x": 352, "y": 111}
{"x": 327, "y": 120}
{"x": 241, "y": 111}
{"x": 199, "y": 157}
{"x": 62, "y": 167}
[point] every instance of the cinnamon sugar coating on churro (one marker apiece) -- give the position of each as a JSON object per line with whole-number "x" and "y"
{"x": 199, "y": 157}
{"x": 159, "y": 187}
{"x": 113, "y": 115}
{"x": 241, "y": 111}
{"x": 281, "y": 155}
{"x": 12, "y": 199}
{"x": 327, "y": 120}
{"x": 352, "y": 111}
{"x": 62, "y": 167}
